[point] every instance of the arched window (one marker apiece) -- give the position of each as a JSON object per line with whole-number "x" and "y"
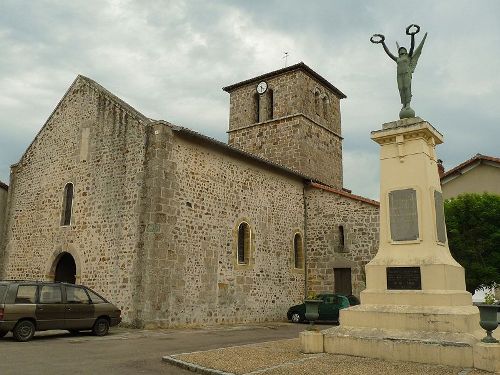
{"x": 298, "y": 251}
{"x": 316, "y": 102}
{"x": 243, "y": 243}
{"x": 67, "y": 204}
{"x": 256, "y": 105}
{"x": 325, "y": 106}
{"x": 270, "y": 108}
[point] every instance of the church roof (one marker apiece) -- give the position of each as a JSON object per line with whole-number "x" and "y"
{"x": 467, "y": 165}
{"x": 299, "y": 66}
{"x": 4, "y": 186}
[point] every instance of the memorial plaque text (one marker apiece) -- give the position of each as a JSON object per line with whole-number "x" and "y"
{"x": 403, "y": 278}
{"x": 439, "y": 208}
{"x": 403, "y": 215}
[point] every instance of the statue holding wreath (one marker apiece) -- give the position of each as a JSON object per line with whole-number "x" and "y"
{"x": 406, "y": 64}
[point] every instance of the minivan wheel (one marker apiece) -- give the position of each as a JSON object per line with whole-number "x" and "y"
{"x": 3, "y": 333}
{"x": 296, "y": 318}
{"x": 101, "y": 327}
{"x": 24, "y": 330}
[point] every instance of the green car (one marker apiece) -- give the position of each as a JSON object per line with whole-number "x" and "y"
{"x": 328, "y": 308}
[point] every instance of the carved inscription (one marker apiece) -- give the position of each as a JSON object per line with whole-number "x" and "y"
{"x": 403, "y": 278}
{"x": 440, "y": 224}
{"x": 403, "y": 215}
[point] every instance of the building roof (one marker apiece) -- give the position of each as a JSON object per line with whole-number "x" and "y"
{"x": 468, "y": 165}
{"x": 344, "y": 193}
{"x": 4, "y": 186}
{"x": 299, "y": 66}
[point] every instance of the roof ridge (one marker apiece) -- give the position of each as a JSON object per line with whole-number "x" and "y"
{"x": 476, "y": 157}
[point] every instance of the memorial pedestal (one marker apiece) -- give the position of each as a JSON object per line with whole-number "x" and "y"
{"x": 415, "y": 306}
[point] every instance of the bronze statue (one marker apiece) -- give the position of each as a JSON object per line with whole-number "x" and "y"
{"x": 407, "y": 61}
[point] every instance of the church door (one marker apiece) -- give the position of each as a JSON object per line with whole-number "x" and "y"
{"x": 66, "y": 269}
{"x": 342, "y": 281}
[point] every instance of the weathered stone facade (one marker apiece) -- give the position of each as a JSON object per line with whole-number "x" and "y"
{"x": 4, "y": 191}
{"x": 157, "y": 208}
{"x": 327, "y": 212}
{"x": 302, "y": 128}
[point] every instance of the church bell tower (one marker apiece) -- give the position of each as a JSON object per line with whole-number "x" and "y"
{"x": 292, "y": 117}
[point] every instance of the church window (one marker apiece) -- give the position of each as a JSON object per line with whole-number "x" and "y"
{"x": 243, "y": 243}
{"x": 325, "y": 106}
{"x": 270, "y": 109}
{"x": 67, "y": 204}
{"x": 256, "y": 100}
{"x": 316, "y": 102}
{"x": 342, "y": 247}
{"x": 298, "y": 251}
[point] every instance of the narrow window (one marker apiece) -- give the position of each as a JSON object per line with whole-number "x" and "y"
{"x": 325, "y": 106}
{"x": 316, "y": 102}
{"x": 341, "y": 239}
{"x": 243, "y": 243}
{"x": 270, "y": 109}
{"x": 256, "y": 99}
{"x": 67, "y": 204}
{"x": 298, "y": 251}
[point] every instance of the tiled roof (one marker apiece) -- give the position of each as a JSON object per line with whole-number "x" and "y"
{"x": 299, "y": 66}
{"x": 4, "y": 186}
{"x": 345, "y": 194}
{"x": 477, "y": 158}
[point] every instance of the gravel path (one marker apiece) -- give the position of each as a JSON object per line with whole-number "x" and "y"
{"x": 284, "y": 357}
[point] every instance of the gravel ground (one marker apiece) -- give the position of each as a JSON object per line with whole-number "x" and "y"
{"x": 284, "y": 357}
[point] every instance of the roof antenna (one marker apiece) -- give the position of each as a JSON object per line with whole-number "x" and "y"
{"x": 285, "y": 56}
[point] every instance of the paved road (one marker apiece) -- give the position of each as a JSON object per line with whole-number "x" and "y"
{"x": 127, "y": 351}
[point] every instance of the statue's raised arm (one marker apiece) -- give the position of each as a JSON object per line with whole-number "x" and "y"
{"x": 406, "y": 63}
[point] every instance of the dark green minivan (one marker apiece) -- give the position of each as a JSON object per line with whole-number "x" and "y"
{"x": 29, "y": 306}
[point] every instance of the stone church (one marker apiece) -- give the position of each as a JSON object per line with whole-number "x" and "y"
{"x": 178, "y": 228}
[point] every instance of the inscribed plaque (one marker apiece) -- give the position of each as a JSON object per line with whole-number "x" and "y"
{"x": 403, "y": 215}
{"x": 403, "y": 278}
{"x": 440, "y": 224}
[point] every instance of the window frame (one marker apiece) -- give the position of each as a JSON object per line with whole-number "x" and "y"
{"x": 65, "y": 220}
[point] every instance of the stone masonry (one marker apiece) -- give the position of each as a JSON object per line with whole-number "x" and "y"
{"x": 304, "y": 127}
{"x": 326, "y": 211}
{"x": 156, "y": 207}
{"x": 4, "y": 191}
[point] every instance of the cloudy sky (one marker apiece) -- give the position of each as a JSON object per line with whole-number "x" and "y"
{"x": 170, "y": 59}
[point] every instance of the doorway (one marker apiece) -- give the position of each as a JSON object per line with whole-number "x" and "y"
{"x": 65, "y": 269}
{"x": 342, "y": 281}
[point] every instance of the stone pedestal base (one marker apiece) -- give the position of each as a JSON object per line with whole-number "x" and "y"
{"x": 487, "y": 357}
{"x": 413, "y": 346}
{"x": 311, "y": 342}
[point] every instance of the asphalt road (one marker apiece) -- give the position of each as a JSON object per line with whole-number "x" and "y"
{"x": 127, "y": 351}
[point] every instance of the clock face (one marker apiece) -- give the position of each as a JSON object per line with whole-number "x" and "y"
{"x": 262, "y": 87}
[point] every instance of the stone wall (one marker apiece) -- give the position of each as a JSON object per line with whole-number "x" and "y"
{"x": 93, "y": 142}
{"x": 4, "y": 192}
{"x": 200, "y": 193}
{"x": 303, "y": 134}
{"x": 326, "y": 211}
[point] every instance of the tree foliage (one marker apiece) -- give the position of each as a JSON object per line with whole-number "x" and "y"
{"x": 473, "y": 226}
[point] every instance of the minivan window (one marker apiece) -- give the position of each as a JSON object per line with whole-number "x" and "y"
{"x": 3, "y": 288}
{"x": 50, "y": 294}
{"x": 76, "y": 295}
{"x": 26, "y": 294}
{"x": 95, "y": 298}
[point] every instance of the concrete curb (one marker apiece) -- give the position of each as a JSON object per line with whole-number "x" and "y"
{"x": 192, "y": 367}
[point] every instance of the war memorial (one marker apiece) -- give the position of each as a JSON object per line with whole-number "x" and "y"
{"x": 415, "y": 306}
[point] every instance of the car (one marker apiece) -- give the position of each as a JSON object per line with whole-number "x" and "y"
{"x": 30, "y": 306}
{"x": 328, "y": 308}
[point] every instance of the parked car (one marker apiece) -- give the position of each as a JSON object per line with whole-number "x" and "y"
{"x": 29, "y": 306}
{"x": 328, "y": 308}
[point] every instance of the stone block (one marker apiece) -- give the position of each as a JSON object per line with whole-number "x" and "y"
{"x": 311, "y": 342}
{"x": 487, "y": 357}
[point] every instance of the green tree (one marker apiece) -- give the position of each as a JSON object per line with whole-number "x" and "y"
{"x": 473, "y": 226}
